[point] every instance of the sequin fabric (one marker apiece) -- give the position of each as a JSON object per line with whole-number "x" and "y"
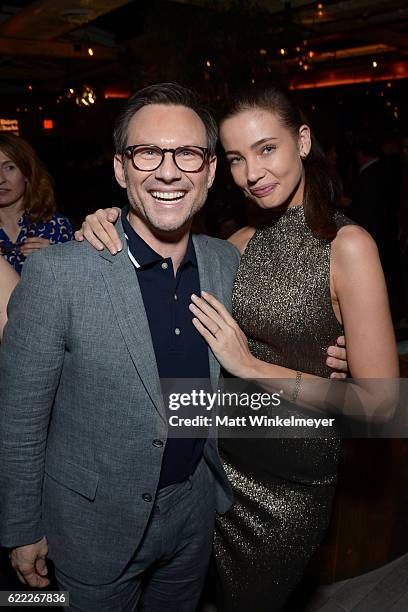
{"x": 282, "y": 295}
{"x": 283, "y": 488}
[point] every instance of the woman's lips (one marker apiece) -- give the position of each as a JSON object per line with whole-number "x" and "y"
{"x": 263, "y": 191}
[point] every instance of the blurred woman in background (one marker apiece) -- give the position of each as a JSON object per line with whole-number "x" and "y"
{"x": 28, "y": 217}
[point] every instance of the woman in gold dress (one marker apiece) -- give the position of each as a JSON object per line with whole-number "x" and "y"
{"x": 304, "y": 277}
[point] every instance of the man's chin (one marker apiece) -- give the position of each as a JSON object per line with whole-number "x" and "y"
{"x": 170, "y": 226}
{"x": 171, "y": 232}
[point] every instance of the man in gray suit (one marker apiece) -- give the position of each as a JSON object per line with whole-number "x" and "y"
{"x": 88, "y": 474}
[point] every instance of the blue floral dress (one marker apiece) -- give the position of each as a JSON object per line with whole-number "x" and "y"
{"x": 57, "y": 229}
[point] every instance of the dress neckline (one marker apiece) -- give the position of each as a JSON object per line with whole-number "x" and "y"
{"x": 293, "y": 215}
{"x": 291, "y": 211}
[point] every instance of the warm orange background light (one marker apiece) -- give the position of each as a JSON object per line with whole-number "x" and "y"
{"x": 48, "y": 124}
{"x": 391, "y": 72}
{"x": 116, "y": 93}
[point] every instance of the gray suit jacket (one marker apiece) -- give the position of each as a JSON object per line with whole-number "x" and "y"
{"x": 80, "y": 406}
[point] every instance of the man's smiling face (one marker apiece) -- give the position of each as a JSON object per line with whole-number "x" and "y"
{"x": 165, "y": 200}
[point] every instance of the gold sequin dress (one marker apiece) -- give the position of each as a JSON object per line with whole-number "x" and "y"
{"x": 283, "y": 488}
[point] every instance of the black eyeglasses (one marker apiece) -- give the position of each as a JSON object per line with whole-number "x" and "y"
{"x": 149, "y": 157}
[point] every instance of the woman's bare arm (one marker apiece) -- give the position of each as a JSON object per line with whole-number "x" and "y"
{"x": 359, "y": 286}
{"x": 8, "y": 280}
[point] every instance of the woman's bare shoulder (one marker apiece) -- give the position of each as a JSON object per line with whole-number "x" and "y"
{"x": 241, "y": 238}
{"x": 353, "y": 241}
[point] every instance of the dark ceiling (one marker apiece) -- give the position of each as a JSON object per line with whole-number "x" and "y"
{"x": 207, "y": 43}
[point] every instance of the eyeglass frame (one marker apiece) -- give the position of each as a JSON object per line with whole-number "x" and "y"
{"x": 129, "y": 154}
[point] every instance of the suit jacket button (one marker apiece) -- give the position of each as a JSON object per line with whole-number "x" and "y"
{"x": 157, "y": 443}
{"x": 147, "y": 497}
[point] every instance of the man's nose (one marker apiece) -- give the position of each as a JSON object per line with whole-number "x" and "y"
{"x": 168, "y": 171}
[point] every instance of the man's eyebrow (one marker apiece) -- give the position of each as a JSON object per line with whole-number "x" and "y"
{"x": 255, "y": 144}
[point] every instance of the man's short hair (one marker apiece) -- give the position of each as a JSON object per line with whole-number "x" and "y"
{"x": 169, "y": 94}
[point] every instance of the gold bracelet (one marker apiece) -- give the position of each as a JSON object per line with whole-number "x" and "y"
{"x": 296, "y": 390}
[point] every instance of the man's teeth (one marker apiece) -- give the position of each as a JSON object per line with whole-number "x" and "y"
{"x": 168, "y": 195}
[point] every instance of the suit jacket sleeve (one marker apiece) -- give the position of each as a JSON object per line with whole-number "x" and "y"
{"x": 31, "y": 358}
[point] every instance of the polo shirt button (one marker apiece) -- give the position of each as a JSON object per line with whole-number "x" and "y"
{"x": 165, "y": 265}
{"x": 157, "y": 443}
{"x": 177, "y": 331}
{"x": 147, "y": 497}
{"x": 175, "y": 296}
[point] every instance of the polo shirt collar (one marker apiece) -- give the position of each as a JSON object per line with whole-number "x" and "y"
{"x": 142, "y": 254}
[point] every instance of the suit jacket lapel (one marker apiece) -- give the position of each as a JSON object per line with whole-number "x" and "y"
{"x": 124, "y": 292}
{"x": 127, "y": 301}
{"x": 210, "y": 280}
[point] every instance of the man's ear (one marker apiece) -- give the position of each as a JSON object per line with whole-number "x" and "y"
{"x": 212, "y": 165}
{"x": 119, "y": 170}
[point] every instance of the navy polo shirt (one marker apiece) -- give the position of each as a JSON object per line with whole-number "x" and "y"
{"x": 180, "y": 350}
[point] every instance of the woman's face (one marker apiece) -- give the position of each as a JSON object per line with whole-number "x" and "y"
{"x": 12, "y": 182}
{"x": 265, "y": 158}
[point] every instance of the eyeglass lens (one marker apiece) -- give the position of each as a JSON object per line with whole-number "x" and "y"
{"x": 189, "y": 159}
